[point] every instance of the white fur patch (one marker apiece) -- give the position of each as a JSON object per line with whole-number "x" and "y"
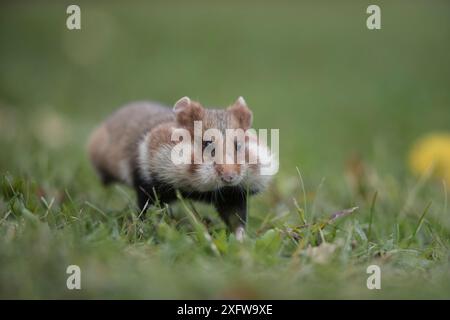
{"x": 144, "y": 157}
{"x": 254, "y": 177}
{"x": 204, "y": 178}
{"x": 268, "y": 161}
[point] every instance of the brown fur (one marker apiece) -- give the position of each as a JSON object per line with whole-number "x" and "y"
{"x": 241, "y": 116}
{"x": 116, "y": 139}
{"x": 161, "y": 135}
{"x": 186, "y": 117}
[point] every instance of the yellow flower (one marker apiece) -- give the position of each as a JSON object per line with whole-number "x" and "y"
{"x": 432, "y": 152}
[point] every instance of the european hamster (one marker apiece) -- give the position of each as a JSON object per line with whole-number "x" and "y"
{"x": 135, "y": 144}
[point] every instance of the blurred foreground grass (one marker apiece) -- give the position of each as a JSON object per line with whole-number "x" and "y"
{"x": 348, "y": 102}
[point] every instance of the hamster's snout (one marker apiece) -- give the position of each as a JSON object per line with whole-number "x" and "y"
{"x": 229, "y": 174}
{"x": 229, "y": 177}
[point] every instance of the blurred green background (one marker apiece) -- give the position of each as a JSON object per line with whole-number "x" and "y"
{"x": 336, "y": 90}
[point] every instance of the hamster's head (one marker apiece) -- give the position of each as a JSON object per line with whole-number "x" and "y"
{"x": 223, "y": 148}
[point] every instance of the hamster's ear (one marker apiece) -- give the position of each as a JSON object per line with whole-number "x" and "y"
{"x": 241, "y": 114}
{"x": 181, "y": 104}
{"x": 188, "y": 111}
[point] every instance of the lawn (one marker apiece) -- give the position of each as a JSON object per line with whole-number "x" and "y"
{"x": 349, "y": 102}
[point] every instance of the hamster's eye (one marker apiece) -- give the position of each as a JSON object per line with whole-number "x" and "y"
{"x": 207, "y": 143}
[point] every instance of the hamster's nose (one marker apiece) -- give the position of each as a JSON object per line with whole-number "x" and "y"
{"x": 228, "y": 177}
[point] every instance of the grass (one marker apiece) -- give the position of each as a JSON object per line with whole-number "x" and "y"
{"x": 348, "y": 102}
